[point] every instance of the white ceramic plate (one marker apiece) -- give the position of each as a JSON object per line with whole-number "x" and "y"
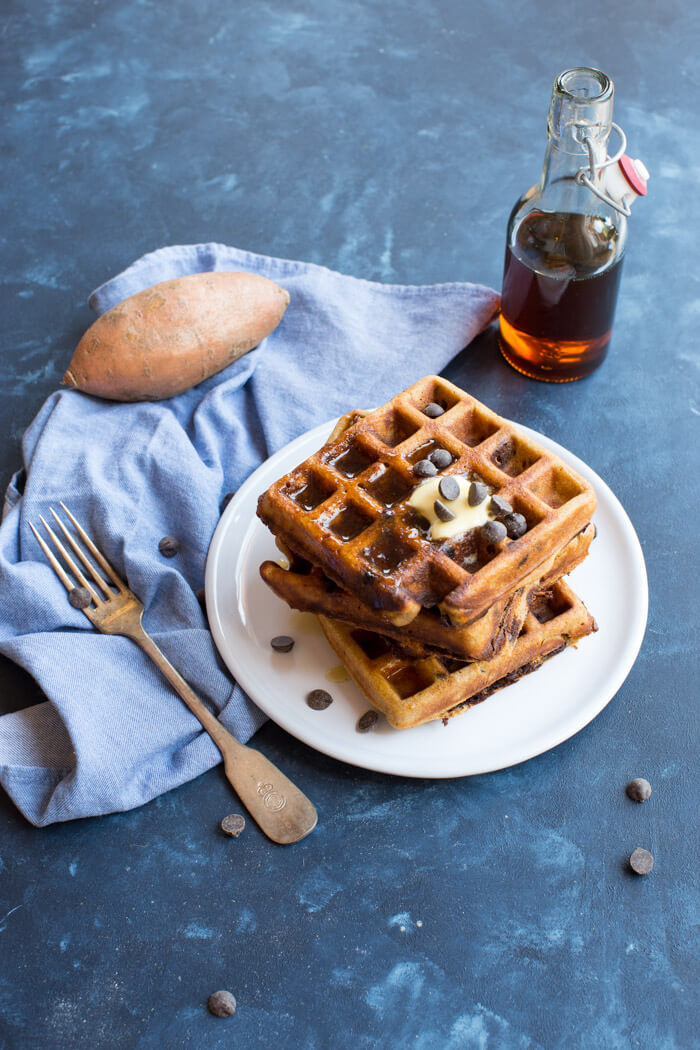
{"x": 516, "y": 723}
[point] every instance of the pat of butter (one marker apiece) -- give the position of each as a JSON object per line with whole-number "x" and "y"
{"x": 466, "y": 517}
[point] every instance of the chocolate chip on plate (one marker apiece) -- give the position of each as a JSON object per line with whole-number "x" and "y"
{"x": 169, "y": 546}
{"x": 477, "y": 493}
{"x": 233, "y": 825}
{"x": 319, "y": 699}
{"x": 441, "y": 458}
{"x": 425, "y": 469}
{"x": 222, "y": 1004}
{"x": 641, "y": 861}
{"x": 449, "y": 487}
{"x": 79, "y": 597}
{"x": 433, "y": 410}
{"x": 500, "y": 506}
{"x": 444, "y": 513}
{"x": 516, "y": 525}
{"x": 493, "y": 531}
{"x": 225, "y": 501}
{"x": 366, "y": 721}
{"x": 638, "y": 789}
{"x": 282, "y": 643}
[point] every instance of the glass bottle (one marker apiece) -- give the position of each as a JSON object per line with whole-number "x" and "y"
{"x": 565, "y": 245}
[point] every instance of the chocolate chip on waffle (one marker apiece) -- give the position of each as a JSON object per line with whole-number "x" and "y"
{"x": 345, "y": 508}
{"x": 410, "y": 691}
{"x": 308, "y": 589}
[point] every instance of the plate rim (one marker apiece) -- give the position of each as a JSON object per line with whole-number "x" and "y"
{"x": 349, "y": 755}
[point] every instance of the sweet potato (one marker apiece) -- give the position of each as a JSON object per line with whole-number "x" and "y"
{"x": 174, "y": 335}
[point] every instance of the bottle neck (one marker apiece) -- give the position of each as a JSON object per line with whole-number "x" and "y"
{"x": 563, "y": 162}
{"x": 578, "y": 129}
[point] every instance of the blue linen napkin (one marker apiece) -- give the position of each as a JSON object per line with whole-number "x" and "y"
{"x": 113, "y": 734}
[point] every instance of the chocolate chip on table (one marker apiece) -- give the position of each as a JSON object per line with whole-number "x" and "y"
{"x": 433, "y": 410}
{"x": 222, "y": 1004}
{"x": 493, "y": 531}
{"x": 232, "y": 825}
{"x": 444, "y": 513}
{"x": 225, "y": 501}
{"x": 79, "y": 597}
{"x": 638, "y": 789}
{"x": 449, "y": 487}
{"x": 641, "y": 861}
{"x": 516, "y": 525}
{"x": 319, "y": 699}
{"x": 169, "y": 546}
{"x": 441, "y": 458}
{"x": 500, "y": 506}
{"x": 477, "y": 493}
{"x": 366, "y": 721}
{"x": 425, "y": 469}
{"x": 282, "y": 643}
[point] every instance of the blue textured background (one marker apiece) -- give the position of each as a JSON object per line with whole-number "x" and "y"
{"x": 388, "y": 140}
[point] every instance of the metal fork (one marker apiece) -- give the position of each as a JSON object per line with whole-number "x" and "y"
{"x": 281, "y": 810}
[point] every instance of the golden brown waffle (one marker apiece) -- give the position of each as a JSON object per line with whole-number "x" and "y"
{"x": 411, "y": 691}
{"x": 305, "y": 587}
{"x": 345, "y": 508}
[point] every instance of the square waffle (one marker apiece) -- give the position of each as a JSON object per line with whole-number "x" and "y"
{"x": 306, "y": 588}
{"x": 411, "y": 690}
{"x": 346, "y": 507}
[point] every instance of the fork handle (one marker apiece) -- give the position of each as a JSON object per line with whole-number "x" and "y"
{"x": 280, "y": 809}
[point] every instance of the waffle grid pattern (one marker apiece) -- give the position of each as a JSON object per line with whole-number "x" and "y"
{"x": 410, "y": 691}
{"x": 306, "y": 588}
{"x": 345, "y": 507}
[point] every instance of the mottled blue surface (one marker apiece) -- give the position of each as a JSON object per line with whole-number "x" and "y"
{"x": 389, "y": 141}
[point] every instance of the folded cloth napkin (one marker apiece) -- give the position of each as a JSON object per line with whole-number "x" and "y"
{"x": 113, "y": 734}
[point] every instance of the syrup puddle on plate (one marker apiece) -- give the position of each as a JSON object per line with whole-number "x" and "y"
{"x": 304, "y": 623}
{"x": 337, "y": 674}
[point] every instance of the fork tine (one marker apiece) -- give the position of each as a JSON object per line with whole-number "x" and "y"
{"x": 55, "y": 564}
{"x": 70, "y": 563}
{"x": 97, "y": 554}
{"x": 99, "y": 580}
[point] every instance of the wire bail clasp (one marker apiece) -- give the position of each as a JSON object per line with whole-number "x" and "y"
{"x": 587, "y": 175}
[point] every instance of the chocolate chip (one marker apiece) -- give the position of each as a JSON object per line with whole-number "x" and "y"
{"x": 441, "y": 458}
{"x": 222, "y": 1004}
{"x": 282, "y": 643}
{"x": 79, "y": 597}
{"x": 477, "y": 493}
{"x": 493, "y": 531}
{"x": 432, "y": 410}
{"x": 444, "y": 513}
{"x": 449, "y": 487}
{"x": 319, "y": 699}
{"x": 499, "y": 506}
{"x": 424, "y": 469}
{"x": 641, "y": 861}
{"x": 225, "y": 501}
{"x": 638, "y": 789}
{"x": 169, "y": 546}
{"x": 233, "y": 825}
{"x": 368, "y": 719}
{"x": 516, "y": 525}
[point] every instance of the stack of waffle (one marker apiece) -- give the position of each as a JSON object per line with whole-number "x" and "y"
{"x": 433, "y": 608}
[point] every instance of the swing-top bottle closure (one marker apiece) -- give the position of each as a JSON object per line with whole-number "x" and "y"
{"x": 579, "y": 119}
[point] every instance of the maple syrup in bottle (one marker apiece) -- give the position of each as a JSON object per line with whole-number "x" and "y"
{"x": 565, "y": 245}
